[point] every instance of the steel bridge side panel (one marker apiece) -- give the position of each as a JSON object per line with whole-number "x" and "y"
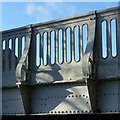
{"x": 72, "y": 98}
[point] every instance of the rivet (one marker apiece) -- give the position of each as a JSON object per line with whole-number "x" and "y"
{"x": 87, "y": 102}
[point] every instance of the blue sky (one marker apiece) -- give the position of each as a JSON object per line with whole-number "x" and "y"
{"x": 17, "y": 14}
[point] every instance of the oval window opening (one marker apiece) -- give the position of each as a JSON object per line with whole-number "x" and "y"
{"x": 113, "y": 38}
{"x": 76, "y": 44}
{"x": 104, "y": 39}
{"x": 84, "y": 37}
{"x": 3, "y": 45}
{"x": 45, "y": 48}
{"x": 60, "y": 46}
{"x": 38, "y": 50}
{"x": 16, "y": 47}
{"x": 68, "y": 44}
{"x": 10, "y": 44}
{"x": 52, "y": 47}
{"x": 23, "y": 43}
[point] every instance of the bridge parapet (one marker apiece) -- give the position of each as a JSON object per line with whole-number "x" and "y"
{"x": 79, "y": 53}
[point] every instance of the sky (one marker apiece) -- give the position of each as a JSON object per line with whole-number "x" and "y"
{"x": 18, "y": 14}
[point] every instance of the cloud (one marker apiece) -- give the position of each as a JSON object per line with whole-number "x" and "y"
{"x": 30, "y": 9}
{"x": 48, "y": 11}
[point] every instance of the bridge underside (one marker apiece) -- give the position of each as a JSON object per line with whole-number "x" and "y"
{"x": 63, "y": 98}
